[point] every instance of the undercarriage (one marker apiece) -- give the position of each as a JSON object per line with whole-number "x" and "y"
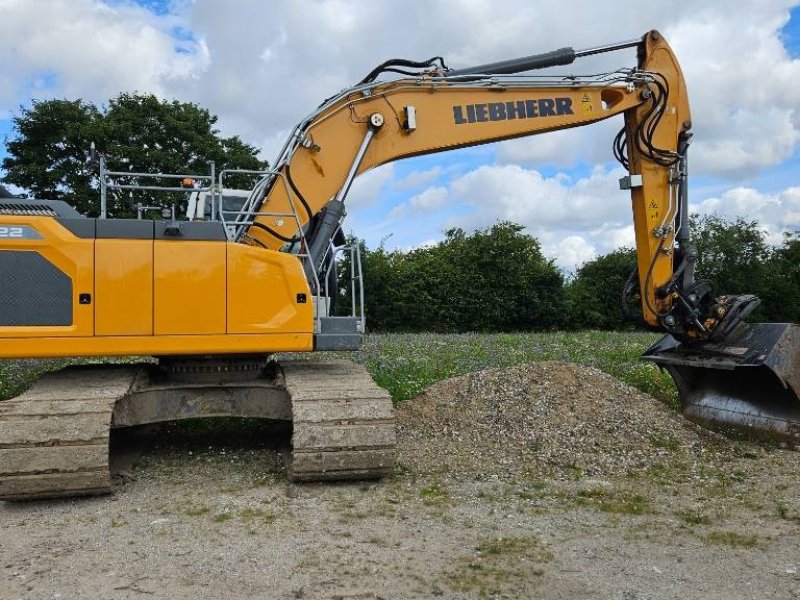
{"x": 54, "y": 438}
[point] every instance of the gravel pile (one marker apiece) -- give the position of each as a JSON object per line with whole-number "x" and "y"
{"x": 548, "y": 419}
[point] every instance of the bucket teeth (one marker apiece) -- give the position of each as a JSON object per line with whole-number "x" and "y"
{"x": 749, "y": 381}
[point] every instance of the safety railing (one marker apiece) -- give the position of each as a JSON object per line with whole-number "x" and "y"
{"x": 355, "y": 283}
{"x": 108, "y": 181}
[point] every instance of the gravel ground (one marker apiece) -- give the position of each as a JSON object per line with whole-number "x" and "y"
{"x": 545, "y": 480}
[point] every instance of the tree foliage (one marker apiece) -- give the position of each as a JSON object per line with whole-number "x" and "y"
{"x": 595, "y": 293}
{"x": 49, "y": 155}
{"x": 495, "y": 279}
{"x": 781, "y": 293}
{"x": 732, "y": 255}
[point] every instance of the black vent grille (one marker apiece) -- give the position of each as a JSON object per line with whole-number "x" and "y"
{"x": 8, "y": 208}
{"x": 39, "y": 208}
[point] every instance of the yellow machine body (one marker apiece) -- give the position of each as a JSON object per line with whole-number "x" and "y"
{"x": 154, "y": 296}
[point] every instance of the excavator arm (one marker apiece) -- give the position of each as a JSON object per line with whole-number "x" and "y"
{"x": 377, "y": 122}
{"x": 728, "y": 373}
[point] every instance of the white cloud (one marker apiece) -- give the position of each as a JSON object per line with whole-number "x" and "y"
{"x": 741, "y": 80}
{"x": 88, "y": 49}
{"x": 743, "y": 88}
{"x": 577, "y": 220}
{"x": 574, "y": 220}
{"x": 417, "y": 179}
{"x": 777, "y": 213}
{"x": 264, "y": 66}
{"x": 513, "y": 193}
{"x": 571, "y": 252}
{"x": 427, "y": 201}
{"x": 366, "y": 188}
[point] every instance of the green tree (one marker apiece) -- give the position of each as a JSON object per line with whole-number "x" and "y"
{"x": 781, "y": 297}
{"x": 732, "y": 255}
{"x": 495, "y": 279}
{"x": 137, "y": 133}
{"x": 595, "y": 293}
{"x": 49, "y": 155}
{"x": 498, "y": 280}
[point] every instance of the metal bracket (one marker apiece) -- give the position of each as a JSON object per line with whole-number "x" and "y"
{"x": 630, "y": 181}
{"x": 410, "y": 123}
{"x": 662, "y": 231}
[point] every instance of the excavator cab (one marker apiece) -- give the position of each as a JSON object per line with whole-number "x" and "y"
{"x": 750, "y": 381}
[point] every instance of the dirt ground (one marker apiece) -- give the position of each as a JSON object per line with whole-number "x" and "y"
{"x": 575, "y": 496}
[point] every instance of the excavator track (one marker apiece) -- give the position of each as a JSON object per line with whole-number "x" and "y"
{"x": 54, "y": 437}
{"x": 343, "y": 424}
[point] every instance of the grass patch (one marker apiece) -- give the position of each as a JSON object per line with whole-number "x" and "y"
{"x": 434, "y": 495}
{"x": 627, "y": 504}
{"x": 620, "y": 503}
{"x": 506, "y": 545}
{"x": 732, "y": 539}
{"x": 256, "y": 515}
{"x": 665, "y": 441}
{"x": 223, "y": 517}
{"x": 196, "y": 511}
{"x": 694, "y": 517}
{"x": 118, "y": 522}
{"x": 504, "y": 564}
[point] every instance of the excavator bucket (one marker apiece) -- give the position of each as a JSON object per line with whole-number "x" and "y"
{"x": 749, "y": 382}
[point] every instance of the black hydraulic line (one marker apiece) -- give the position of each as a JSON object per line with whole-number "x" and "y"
{"x": 303, "y": 201}
{"x": 649, "y": 277}
{"x": 610, "y": 47}
{"x": 619, "y": 147}
{"x": 272, "y": 232}
{"x": 630, "y": 284}
{"x": 402, "y": 62}
{"x": 562, "y": 56}
{"x": 682, "y": 235}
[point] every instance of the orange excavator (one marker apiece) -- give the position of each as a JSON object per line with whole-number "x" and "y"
{"x": 211, "y": 300}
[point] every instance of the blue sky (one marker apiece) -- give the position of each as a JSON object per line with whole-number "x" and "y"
{"x": 263, "y": 66}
